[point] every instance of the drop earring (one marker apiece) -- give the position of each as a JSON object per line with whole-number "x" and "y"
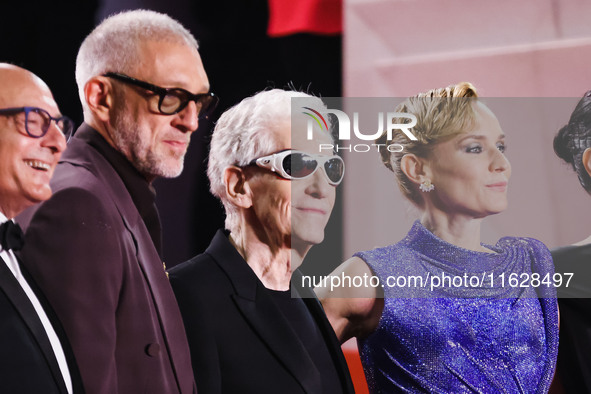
{"x": 426, "y": 186}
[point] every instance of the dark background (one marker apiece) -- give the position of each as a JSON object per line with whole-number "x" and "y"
{"x": 240, "y": 60}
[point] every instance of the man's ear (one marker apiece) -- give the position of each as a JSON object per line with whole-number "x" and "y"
{"x": 98, "y": 93}
{"x": 415, "y": 168}
{"x": 587, "y": 160}
{"x": 237, "y": 188}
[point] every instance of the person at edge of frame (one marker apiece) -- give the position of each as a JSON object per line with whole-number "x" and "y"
{"x": 36, "y": 355}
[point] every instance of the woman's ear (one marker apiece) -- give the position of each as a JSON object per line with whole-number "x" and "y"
{"x": 237, "y": 189}
{"x": 587, "y": 160}
{"x": 98, "y": 93}
{"x": 415, "y": 168}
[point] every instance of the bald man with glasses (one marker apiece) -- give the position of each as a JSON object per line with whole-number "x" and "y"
{"x": 95, "y": 246}
{"x": 36, "y": 356}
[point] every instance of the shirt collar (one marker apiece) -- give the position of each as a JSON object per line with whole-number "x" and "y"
{"x": 3, "y": 218}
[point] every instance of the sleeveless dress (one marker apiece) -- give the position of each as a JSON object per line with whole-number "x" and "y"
{"x": 477, "y": 332}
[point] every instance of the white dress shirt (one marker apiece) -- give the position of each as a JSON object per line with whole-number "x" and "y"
{"x": 12, "y": 263}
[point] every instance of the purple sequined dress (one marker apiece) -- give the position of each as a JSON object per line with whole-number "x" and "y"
{"x": 479, "y": 334}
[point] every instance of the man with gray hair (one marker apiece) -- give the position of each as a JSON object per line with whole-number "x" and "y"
{"x": 95, "y": 246}
{"x": 252, "y": 326}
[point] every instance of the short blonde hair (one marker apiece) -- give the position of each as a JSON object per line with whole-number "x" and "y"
{"x": 441, "y": 115}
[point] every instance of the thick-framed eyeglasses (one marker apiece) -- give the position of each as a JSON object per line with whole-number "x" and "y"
{"x": 172, "y": 100}
{"x": 38, "y": 120}
{"x": 294, "y": 164}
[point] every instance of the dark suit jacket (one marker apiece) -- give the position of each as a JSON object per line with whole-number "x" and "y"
{"x": 28, "y": 363}
{"x": 240, "y": 342}
{"x": 91, "y": 254}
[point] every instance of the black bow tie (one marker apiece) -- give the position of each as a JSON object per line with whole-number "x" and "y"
{"x": 11, "y": 236}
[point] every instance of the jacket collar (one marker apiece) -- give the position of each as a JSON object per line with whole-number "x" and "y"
{"x": 24, "y": 307}
{"x": 85, "y": 155}
{"x": 257, "y": 306}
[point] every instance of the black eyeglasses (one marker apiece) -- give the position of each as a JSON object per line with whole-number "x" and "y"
{"x": 38, "y": 120}
{"x": 293, "y": 164}
{"x": 172, "y": 100}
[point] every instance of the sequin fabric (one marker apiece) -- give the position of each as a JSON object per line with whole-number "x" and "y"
{"x": 491, "y": 338}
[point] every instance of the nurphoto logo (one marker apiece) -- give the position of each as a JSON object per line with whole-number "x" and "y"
{"x": 387, "y": 121}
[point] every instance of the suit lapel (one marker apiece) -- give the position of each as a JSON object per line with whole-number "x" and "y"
{"x": 25, "y": 309}
{"x": 266, "y": 319}
{"x": 77, "y": 384}
{"x": 169, "y": 318}
{"x": 263, "y": 315}
{"x": 168, "y": 315}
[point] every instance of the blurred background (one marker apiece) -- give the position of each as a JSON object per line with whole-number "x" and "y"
{"x": 533, "y": 57}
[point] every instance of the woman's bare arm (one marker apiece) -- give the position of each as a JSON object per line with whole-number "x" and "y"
{"x": 352, "y": 311}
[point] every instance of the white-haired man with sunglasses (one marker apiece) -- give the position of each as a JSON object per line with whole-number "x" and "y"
{"x": 249, "y": 331}
{"x": 95, "y": 246}
{"x": 36, "y": 356}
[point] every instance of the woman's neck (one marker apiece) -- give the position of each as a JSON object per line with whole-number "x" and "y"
{"x": 458, "y": 230}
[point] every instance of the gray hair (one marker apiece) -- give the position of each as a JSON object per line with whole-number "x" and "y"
{"x": 113, "y": 45}
{"x": 246, "y": 132}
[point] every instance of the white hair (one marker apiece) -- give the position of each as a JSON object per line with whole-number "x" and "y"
{"x": 113, "y": 45}
{"x": 246, "y": 132}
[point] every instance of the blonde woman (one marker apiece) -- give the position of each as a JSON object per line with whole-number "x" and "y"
{"x": 460, "y": 337}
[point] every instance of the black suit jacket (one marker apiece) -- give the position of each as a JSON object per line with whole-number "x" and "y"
{"x": 240, "y": 341}
{"x": 28, "y": 363}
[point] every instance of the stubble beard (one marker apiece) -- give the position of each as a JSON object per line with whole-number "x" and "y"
{"x": 129, "y": 140}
